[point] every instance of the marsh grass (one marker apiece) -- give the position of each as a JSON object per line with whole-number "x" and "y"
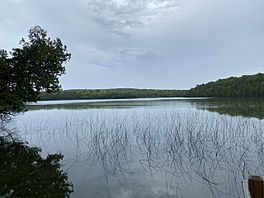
{"x": 180, "y": 148}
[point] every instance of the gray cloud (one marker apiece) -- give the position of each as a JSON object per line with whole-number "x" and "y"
{"x": 150, "y": 43}
{"x": 121, "y": 14}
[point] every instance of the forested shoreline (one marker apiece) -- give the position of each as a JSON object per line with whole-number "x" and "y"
{"x": 244, "y": 86}
{"x": 119, "y": 93}
{"x": 250, "y": 86}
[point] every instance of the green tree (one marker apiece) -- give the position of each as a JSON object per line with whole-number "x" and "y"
{"x": 244, "y": 86}
{"x": 30, "y": 69}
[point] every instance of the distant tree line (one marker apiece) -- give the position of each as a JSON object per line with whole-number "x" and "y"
{"x": 120, "y": 93}
{"x": 244, "y": 86}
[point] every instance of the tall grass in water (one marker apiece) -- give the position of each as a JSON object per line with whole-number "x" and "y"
{"x": 217, "y": 151}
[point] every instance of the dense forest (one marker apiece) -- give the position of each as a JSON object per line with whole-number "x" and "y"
{"x": 121, "y": 93}
{"x": 244, "y": 86}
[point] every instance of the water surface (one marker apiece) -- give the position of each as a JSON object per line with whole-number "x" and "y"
{"x": 175, "y": 147}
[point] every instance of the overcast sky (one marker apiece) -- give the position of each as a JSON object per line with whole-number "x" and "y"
{"x": 172, "y": 44}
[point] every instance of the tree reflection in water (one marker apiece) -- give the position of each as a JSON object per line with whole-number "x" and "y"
{"x": 245, "y": 107}
{"x": 24, "y": 173}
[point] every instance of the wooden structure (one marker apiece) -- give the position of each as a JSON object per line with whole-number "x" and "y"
{"x": 253, "y": 187}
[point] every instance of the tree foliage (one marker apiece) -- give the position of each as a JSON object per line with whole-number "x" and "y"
{"x": 244, "y": 86}
{"x": 30, "y": 69}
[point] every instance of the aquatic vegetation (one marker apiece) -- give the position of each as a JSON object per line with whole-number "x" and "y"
{"x": 176, "y": 149}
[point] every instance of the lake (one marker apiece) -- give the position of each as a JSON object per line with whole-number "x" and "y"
{"x": 139, "y": 148}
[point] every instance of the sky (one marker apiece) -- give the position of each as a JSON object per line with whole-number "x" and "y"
{"x": 163, "y": 44}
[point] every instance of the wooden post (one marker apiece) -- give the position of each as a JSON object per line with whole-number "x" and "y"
{"x": 255, "y": 184}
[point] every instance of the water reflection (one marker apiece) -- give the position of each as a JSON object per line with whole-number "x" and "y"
{"x": 247, "y": 107}
{"x": 234, "y": 107}
{"x": 24, "y": 173}
{"x": 154, "y": 153}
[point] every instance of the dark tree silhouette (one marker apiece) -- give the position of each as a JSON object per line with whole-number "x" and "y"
{"x": 24, "y": 173}
{"x": 30, "y": 69}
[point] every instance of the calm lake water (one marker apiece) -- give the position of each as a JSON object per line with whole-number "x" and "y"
{"x": 174, "y": 147}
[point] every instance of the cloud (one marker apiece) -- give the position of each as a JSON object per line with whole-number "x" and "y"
{"x": 144, "y": 43}
{"x": 117, "y": 57}
{"x": 121, "y": 15}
